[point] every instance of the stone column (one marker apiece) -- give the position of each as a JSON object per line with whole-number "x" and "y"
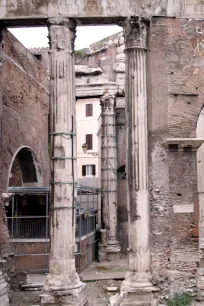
{"x": 109, "y": 173}
{"x": 138, "y": 278}
{"x": 63, "y": 286}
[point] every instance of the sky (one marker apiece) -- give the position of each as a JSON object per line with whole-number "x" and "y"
{"x": 86, "y": 35}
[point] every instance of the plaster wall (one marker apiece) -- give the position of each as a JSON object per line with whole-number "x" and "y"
{"x": 87, "y": 125}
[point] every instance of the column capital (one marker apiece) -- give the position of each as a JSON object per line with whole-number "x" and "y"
{"x": 107, "y": 103}
{"x": 62, "y": 33}
{"x": 135, "y": 32}
{"x": 62, "y": 21}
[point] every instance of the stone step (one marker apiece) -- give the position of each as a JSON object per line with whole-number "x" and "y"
{"x": 103, "y": 276}
{"x": 32, "y": 286}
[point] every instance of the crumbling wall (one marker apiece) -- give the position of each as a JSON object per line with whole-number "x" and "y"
{"x": 25, "y": 107}
{"x": 175, "y": 81}
{"x": 6, "y": 264}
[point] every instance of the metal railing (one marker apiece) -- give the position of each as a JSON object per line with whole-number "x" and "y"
{"x": 35, "y": 227}
{"x": 28, "y": 227}
{"x": 24, "y": 228}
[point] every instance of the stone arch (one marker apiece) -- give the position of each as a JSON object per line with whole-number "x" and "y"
{"x": 24, "y": 169}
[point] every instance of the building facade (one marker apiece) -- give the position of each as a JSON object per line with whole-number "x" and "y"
{"x": 87, "y": 113}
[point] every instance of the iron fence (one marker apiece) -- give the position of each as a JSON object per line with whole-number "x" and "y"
{"x": 30, "y": 235}
{"x": 28, "y": 227}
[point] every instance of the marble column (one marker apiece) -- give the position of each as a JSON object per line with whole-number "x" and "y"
{"x": 137, "y": 287}
{"x": 63, "y": 286}
{"x": 109, "y": 173}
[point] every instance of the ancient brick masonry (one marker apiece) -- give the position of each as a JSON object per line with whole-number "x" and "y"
{"x": 174, "y": 106}
{"x": 24, "y": 116}
{"x": 4, "y": 236}
{"x": 25, "y": 107}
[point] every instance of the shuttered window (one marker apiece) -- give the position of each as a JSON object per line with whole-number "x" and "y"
{"x": 88, "y": 170}
{"x": 89, "y": 110}
{"x": 89, "y": 141}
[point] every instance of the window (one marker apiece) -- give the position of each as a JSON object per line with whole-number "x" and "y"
{"x": 89, "y": 141}
{"x": 88, "y": 170}
{"x": 89, "y": 110}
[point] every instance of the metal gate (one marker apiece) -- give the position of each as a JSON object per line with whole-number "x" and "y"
{"x": 28, "y": 224}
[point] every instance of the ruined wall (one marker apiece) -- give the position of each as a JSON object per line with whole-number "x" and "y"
{"x": 175, "y": 89}
{"x": 175, "y": 62}
{"x": 25, "y": 107}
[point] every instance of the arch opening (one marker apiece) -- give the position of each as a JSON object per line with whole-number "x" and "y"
{"x": 24, "y": 168}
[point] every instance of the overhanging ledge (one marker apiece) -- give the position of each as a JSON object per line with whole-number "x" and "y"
{"x": 184, "y": 144}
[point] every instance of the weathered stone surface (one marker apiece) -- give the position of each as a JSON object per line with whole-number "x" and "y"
{"x": 118, "y": 8}
{"x": 4, "y": 301}
{"x": 173, "y": 178}
{"x": 63, "y": 285}
{"x": 87, "y": 8}
{"x": 109, "y": 172}
{"x": 85, "y": 70}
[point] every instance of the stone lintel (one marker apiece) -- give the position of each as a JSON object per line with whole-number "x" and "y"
{"x": 183, "y": 208}
{"x": 95, "y": 90}
{"x": 85, "y": 70}
{"x": 181, "y": 144}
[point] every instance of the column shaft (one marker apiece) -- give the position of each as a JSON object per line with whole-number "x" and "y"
{"x": 62, "y": 274}
{"x": 109, "y": 172}
{"x": 137, "y": 153}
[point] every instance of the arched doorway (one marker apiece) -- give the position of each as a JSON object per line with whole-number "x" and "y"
{"x": 24, "y": 169}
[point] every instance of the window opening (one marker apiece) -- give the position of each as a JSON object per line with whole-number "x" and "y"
{"x": 89, "y": 141}
{"x": 89, "y": 110}
{"x": 88, "y": 170}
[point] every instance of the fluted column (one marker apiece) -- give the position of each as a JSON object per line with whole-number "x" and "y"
{"x": 109, "y": 173}
{"x": 138, "y": 275}
{"x": 63, "y": 286}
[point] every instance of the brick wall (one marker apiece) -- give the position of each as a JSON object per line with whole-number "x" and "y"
{"x": 175, "y": 90}
{"x": 24, "y": 119}
{"x": 25, "y": 107}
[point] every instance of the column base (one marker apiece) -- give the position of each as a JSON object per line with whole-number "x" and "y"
{"x": 63, "y": 290}
{"x": 71, "y": 297}
{"x": 113, "y": 250}
{"x": 4, "y": 300}
{"x": 136, "y": 291}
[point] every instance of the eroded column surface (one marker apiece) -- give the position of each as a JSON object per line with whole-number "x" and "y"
{"x": 63, "y": 286}
{"x": 138, "y": 277}
{"x": 109, "y": 173}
